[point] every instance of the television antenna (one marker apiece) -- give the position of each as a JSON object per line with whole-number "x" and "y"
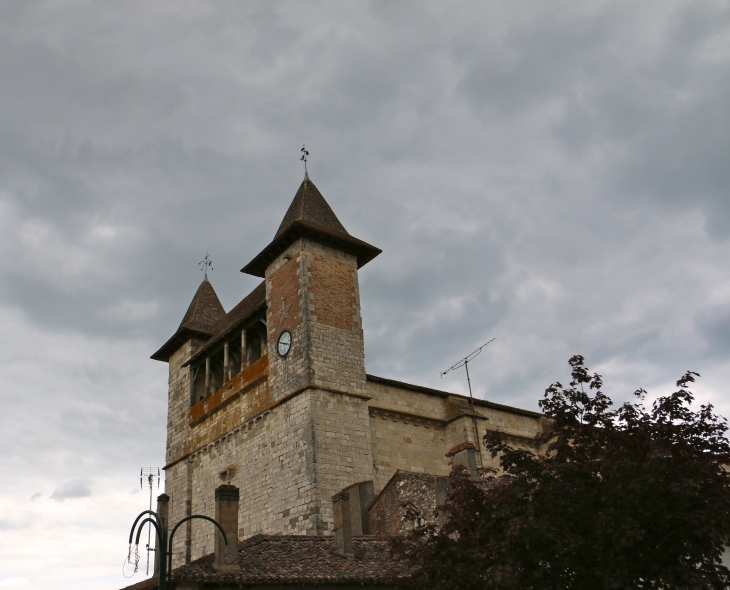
{"x": 465, "y": 363}
{"x": 149, "y": 478}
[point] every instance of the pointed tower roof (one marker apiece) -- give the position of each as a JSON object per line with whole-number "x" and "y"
{"x": 205, "y": 309}
{"x": 199, "y": 321}
{"x": 310, "y": 207}
{"x": 310, "y": 216}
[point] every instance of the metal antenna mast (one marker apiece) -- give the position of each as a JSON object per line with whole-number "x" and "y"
{"x": 465, "y": 363}
{"x": 148, "y": 477}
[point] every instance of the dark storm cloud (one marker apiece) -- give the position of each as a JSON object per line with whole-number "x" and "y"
{"x": 457, "y": 138}
{"x": 554, "y": 176}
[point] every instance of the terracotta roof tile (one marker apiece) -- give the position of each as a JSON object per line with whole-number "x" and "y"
{"x": 269, "y": 559}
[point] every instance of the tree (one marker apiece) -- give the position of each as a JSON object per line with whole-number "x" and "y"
{"x": 618, "y": 498}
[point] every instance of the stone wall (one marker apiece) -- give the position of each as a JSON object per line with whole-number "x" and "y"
{"x": 270, "y": 459}
{"x": 287, "y": 462}
{"x": 414, "y": 428}
{"x": 425, "y": 493}
{"x": 343, "y": 446}
{"x": 400, "y": 399}
{"x": 406, "y": 443}
{"x": 178, "y": 400}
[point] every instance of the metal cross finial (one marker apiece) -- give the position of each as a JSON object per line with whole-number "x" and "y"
{"x": 305, "y": 153}
{"x": 205, "y": 263}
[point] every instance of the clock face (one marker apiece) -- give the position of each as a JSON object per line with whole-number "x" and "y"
{"x": 284, "y": 343}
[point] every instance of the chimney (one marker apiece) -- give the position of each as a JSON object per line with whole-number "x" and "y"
{"x": 343, "y": 528}
{"x": 226, "y": 513}
{"x": 361, "y": 495}
{"x": 163, "y": 511}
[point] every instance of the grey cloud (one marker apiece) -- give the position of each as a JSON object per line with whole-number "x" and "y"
{"x": 76, "y": 488}
{"x": 552, "y": 176}
{"x": 714, "y": 325}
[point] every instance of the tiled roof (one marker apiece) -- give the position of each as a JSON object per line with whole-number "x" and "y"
{"x": 200, "y": 320}
{"x": 298, "y": 560}
{"x": 310, "y": 216}
{"x": 250, "y": 303}
{"x": 205, "y": 309}
{"x": 310, "y": 207}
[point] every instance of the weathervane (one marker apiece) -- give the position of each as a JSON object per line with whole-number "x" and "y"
{"x": 205, "y": 263}
{"x": 305, "y": 153}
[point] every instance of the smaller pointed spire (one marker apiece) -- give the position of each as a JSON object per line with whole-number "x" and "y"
{"x": 205, "y": 309}
{"x": 199, "y": 321}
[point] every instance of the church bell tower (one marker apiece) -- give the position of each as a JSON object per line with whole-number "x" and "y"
{"x": 314, "y": 327}
{"x": 271, "y": 397}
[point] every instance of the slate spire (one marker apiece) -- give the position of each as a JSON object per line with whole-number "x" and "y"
{"x": 310, "y": 216}
{"x": 204, "y": 311}
{"x": 199, "y": 321}
{"x": 310, "y": 207}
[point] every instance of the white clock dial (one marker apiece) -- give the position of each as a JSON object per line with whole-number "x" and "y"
{"x": 284, "y": 343}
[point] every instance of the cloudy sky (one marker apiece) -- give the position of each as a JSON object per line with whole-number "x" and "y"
{"x": 554, "y": 175}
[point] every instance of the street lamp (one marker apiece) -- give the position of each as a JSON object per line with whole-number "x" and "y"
{"x": 164, "y": 545}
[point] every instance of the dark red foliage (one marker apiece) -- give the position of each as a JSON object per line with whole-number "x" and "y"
{"x": 617, "y": 498}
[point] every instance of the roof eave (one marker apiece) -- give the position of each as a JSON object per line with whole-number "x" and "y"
{"x": 362, "y": 250}
{"x": 182, "y": 335}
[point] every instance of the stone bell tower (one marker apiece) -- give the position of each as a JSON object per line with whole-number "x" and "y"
{"x": 315, "y": 348}
{"x": 271, "y": 397}
{"x": 315, "y": 336}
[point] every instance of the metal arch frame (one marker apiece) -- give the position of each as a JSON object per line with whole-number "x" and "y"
{"x": 164, "y": 544}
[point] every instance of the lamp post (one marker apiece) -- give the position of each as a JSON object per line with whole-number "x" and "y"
{"x": 164, "y": 544}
